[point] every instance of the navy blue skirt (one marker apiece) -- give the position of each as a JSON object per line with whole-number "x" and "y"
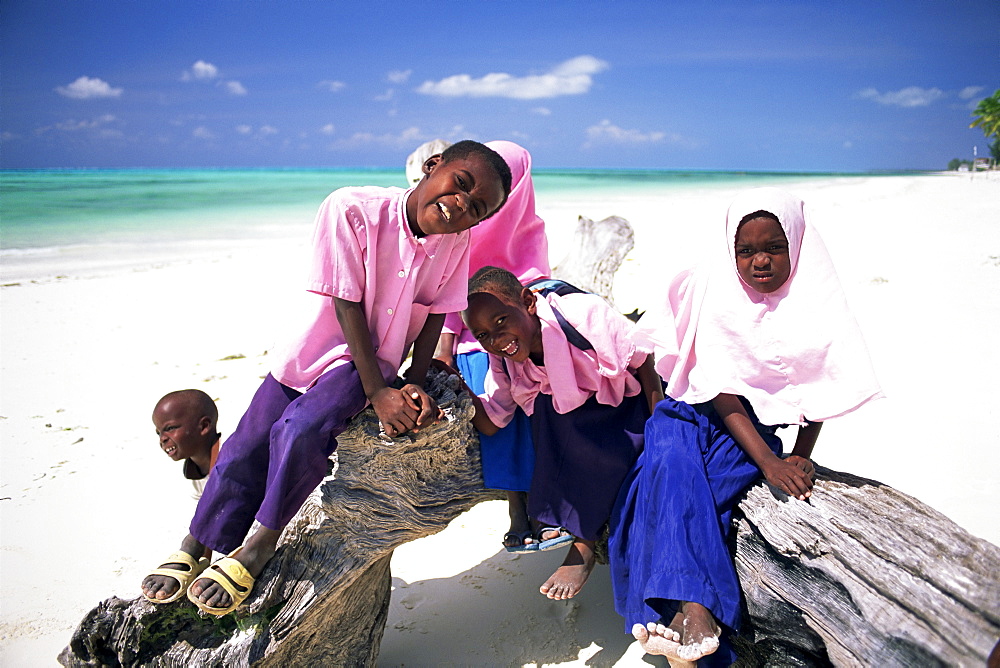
{"x": 581, "y": 459}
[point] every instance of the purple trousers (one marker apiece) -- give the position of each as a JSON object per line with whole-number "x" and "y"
{"x": 276, "y": 457}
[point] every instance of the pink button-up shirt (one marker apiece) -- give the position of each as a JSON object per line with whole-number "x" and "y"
{"x": 364, "y": 251}
{"x": 570, "y": 375}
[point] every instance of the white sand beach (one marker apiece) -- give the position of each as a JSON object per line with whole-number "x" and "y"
{"x": 88, "y": 502}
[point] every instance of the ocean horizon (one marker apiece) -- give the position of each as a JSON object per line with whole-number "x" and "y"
{"x": 57, "y": 221}
{"x": 50, "y": 208}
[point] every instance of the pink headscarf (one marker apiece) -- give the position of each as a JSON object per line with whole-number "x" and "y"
{"x": 794, "y": 354}
{"x": 513, "y": 239}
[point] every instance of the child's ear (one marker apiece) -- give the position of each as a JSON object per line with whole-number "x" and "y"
{"x": 430, "y": 163}
{"x": 528, "y": 299}
{"x": 204, "y": 425}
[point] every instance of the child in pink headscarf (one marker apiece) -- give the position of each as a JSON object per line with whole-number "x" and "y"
{"x": 514, "y": 239}
{"x": 758, "y": 338}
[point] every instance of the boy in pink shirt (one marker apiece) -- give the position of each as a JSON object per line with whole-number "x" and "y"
{"x": 388, "y": 265}
{"x": 568, "y": 361}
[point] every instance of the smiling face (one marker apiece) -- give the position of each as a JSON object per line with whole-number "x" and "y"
{"x": 454, "y": 195}
{"x": 762, "y": 258}
{"x": 182, "y": 432}
{"x": 503, "y": 329}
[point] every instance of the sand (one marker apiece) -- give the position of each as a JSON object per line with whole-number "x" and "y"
{"x": 89, "y": 503}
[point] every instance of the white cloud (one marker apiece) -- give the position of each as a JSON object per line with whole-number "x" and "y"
{"x": 910, "y": 97}
{"x": 542, "y": 111}
{"x": 399, "y": 76}
{"x": 73, "y": 125}
{"x": 248, "y": 131}
{"x": 572, "y": 77}
{"x": 331, "y": 85}
{"x": 200, "y": 71}
{"x": 86, "y": 88}
{"x": 969, "y": 92}
{"x": 409, "y": 138}
{"x": 411, "y": 134}
{"x": 607, "y": 132}
{"x": 328, "y": 129}
{"x": 235, "y": 88}
{"x": 385, "y": 97}
{"x": 201, "y": 132}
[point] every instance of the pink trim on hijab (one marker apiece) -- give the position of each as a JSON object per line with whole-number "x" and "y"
{"x": 512, "y": 239}
{"x": 795, "y": 354}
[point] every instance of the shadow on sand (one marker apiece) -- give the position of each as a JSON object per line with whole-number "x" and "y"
{"x": 493, "y": 615}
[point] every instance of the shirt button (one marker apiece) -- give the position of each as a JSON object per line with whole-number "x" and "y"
{"x": 389, "y": 311}
{"x": 402, "y": 273}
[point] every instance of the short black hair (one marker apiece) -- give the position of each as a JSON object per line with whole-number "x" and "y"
{"x": 498, "y": 282}
{"x": 755, "y": 215}
{"x": 467, "y": 147}
{"x": 196, "y": 399}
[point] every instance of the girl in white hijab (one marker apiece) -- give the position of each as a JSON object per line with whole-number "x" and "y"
{"x": 756, "y": 338}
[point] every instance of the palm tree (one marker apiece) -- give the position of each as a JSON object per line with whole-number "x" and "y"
{"x": 987, "y": 114}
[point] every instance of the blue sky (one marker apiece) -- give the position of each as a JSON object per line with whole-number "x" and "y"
{"x": 788, "y": 86}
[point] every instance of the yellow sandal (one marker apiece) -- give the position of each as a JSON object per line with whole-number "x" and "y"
{"x": 184, "y": 577}
{"x": 231, "y": 576}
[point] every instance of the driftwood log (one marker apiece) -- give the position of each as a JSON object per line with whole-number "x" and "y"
{"x": 596, "y": 252}
{"x": 323, "y": 599}
{"x": 862, "y": 575}
{"x": 859, "y": 575}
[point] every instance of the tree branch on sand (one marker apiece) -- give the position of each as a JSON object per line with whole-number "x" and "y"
{"x": 859, "y": 574}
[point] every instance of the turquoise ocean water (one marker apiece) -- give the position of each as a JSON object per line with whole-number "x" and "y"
{"x": 71, "y": 223}
{"x": 45, "y": 210}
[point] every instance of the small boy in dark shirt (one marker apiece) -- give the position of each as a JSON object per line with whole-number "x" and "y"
{"x": 186, "y": 426}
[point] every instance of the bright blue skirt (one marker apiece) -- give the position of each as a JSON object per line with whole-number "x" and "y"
{"x": 670, "y": 524}
{"x": 509, "y": 455}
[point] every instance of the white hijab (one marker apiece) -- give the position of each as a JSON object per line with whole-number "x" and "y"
{"x": 794, "y": 354}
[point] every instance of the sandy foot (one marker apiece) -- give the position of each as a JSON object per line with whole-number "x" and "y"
{"x": 569, "y": 578}
{"x": 700, "y": 632}
{"x": 661, "y": 640}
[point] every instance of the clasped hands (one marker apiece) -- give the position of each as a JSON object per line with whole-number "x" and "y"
{"x": 408, "y": 409}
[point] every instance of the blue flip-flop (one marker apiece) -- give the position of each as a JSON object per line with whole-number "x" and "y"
{"x": 563, "y": 538}
{"x": 531, "y": 547}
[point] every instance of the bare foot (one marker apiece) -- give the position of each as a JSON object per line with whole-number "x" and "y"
{"x": 162, "y": 587}
{"x": 569, "y": 578}
{"x": 700, "y": 635}
{"x": 253, "y": 556}
{"x": 657, "y": 639}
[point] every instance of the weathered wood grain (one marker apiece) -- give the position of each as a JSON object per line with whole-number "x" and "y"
{"x": 860, "y": 575}
{"x": 597, "y": 250}
{"x": 864, "y": 575}
{"x": 324, "y": 597}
